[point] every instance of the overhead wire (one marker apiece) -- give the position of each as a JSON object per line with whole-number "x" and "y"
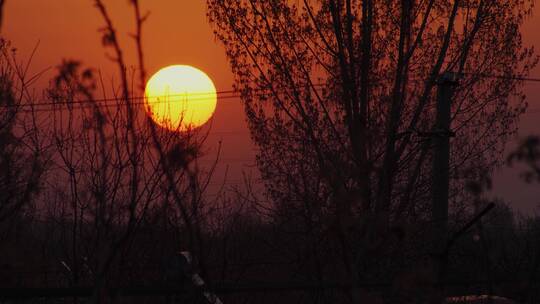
{"x": 226, "y": 94}
{"x": 220, "y": 95}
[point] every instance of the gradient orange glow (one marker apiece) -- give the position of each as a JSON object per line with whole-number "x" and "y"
{"x": 180, "y": 97}
{"x": 178, "y": 31}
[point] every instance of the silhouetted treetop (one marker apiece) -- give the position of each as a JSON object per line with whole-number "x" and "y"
{"x": 348, "y": 86}
{"x": 340, "y": 100}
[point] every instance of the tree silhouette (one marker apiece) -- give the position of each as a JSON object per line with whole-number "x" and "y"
{"x": 22, "y": 162}
{"x": 528, "y": 152}
{"x": 115, "y": 172}
{"x": 340, "y": 95}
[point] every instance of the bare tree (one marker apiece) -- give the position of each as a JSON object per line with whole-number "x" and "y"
{"x": 22, "y": 159}
{"x": 528, "y": 153}
{"x": 340, "y": 94}
{"x": 114, "y": 168}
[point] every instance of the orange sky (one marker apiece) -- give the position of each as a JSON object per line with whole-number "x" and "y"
{"x": 177, "y": 32}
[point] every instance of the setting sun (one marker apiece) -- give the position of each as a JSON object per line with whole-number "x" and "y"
{"x": 180, "y": 97}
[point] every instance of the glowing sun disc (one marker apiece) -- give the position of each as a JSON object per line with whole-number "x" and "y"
{"x": 180, "y": 97}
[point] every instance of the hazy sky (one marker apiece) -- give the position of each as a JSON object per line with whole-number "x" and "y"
{"x": 507, "y": 184}
{"x": 177, "y": 32}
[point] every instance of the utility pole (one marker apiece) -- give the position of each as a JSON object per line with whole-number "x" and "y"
{"x": 441, "y": 167}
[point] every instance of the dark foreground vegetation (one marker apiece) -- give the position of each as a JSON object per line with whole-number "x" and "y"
{"x": 258, "y": 262}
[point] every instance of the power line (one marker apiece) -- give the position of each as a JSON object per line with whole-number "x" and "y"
{"x": 482, "y": 75}
{"x": 221, "y": 95}
{"x": 91, "y": 103}
{"x": 226, "y": 94}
